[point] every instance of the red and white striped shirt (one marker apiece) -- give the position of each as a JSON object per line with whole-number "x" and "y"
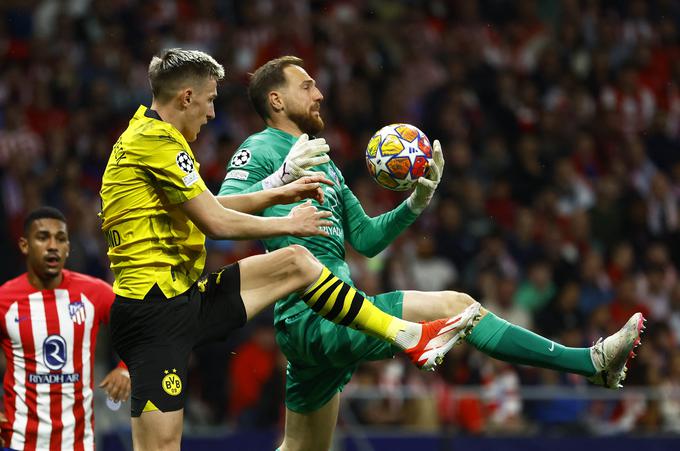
{"x": 48, "y": 338}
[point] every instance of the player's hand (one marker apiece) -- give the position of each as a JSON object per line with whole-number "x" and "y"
{"x": 304, "y": 154}
{"x": 426, "y": 186}
{"x": 306, "y": 220}
{"x": 304, "y": 188}
{"x": 117, "y": 385}
{"x": 4, "y": 427}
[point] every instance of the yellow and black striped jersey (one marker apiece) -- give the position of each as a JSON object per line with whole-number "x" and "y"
{"x": 150, "y": 172}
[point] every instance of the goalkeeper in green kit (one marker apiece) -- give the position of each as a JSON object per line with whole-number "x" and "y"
{"x": 321, "y": 354}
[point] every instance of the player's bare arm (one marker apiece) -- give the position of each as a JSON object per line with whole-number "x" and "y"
{"x": 218, "y": 222}
{"x": 304, "y": 188}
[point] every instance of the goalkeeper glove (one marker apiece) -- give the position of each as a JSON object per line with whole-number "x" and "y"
{"x": 425, "y": 186}
{"x": 304, "y": 154}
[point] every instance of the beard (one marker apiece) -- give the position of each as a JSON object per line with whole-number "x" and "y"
{"x": 307, "y": 123}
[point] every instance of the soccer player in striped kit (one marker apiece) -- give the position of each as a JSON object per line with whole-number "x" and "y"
{"x": 49, "y": 318}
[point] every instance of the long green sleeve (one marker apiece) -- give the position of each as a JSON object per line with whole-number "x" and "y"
{"x": 369, "y": 236}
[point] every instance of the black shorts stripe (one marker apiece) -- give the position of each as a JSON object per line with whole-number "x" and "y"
{"x": 357, "y": 301}
{"x": 339, "y": 303}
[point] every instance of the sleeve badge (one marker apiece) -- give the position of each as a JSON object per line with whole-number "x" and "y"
{"x": 241, "y": 158}
{"x": 185, "y": 162}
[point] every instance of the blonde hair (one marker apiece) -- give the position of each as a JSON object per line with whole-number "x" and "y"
{"x": 176, "y": 66}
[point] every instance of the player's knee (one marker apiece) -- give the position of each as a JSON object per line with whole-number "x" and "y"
{"x": 455, "y": 302}
{"x": 160, "y": 439}
{"x": 304, "y": 267}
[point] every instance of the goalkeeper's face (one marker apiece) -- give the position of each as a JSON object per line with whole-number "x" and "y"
{"x": 46, "y": 247}
{"x": 302, "y": 100}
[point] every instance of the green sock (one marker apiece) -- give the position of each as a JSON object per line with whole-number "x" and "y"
{"x": 504, "y": 341}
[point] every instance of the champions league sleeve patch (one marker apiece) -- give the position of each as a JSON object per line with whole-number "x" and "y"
{"x": 241, "y": 158}
{"x": 186, "y": 164}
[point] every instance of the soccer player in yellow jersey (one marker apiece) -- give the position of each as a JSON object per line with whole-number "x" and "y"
{"x": 156, "y": 212}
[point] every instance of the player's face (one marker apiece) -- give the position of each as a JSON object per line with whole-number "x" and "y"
{"x": 302, "y": 100}
{"x": 46, "y": 247}
{"x": 200, "y": 109}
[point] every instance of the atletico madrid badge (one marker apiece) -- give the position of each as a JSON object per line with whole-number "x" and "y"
{"x": 77, "y": 312}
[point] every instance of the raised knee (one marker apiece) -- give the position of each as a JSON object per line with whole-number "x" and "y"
{"x": 457, "y": 301}
{"x": 301, "y": 258}
{"x": 303, "y": 265}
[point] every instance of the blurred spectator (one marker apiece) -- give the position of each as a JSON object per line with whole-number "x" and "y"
{"x": 492, "y": 255}
{"x": 631, "y": 101}
{"x": 502, "y": 401}
{"x": 427, "y": 271}
{"x": 530, "y": 175}
{"x": 626, "y": 301}
{"x": 641, "y": 167}
{"x": 453, "y": 241}
{"x": 256, "y": 376}
{"x": 573, "y": 192}
{"x": 621, "y": 262}
{"x": 522, "y": 240}
{"x": 563, "y": 313}
{"x": 607, "y": 214}
{"x": 537, "y": 289}
{"x": 595, "y": 284}
{"x": 654, "y": 291}
{"x": 499, "y": 205}
{"x": 499, "y": 299}
{"x": 670, "y": 403}
{"x": 610, "y": 418}
{"x": 663, "y": 218}
{"x": 674, "y": 316}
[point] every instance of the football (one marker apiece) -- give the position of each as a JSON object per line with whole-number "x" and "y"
{"x": 397, "y": 155}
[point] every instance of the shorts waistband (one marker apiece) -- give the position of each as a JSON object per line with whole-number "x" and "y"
{"x": 153, "y": 296}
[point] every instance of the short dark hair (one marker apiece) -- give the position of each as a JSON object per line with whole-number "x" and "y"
{"x": 175, "y": 66}
{"x": 267, "y": 77}
{"x": 42, "y": 213}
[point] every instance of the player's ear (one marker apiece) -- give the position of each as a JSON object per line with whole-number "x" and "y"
{"x": 276, "y": 101}
{"x": 185, "y": 97}
{"x": 23, "y": 245}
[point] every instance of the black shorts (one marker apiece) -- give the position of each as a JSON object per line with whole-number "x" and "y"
{"x": 154, "y": 336}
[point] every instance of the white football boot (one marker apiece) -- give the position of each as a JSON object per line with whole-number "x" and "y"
{"x": 611, "y": 355}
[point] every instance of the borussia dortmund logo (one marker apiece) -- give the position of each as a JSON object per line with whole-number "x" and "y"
{"x": 171, "y": 383}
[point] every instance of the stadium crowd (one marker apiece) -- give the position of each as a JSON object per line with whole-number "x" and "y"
{"x": 559, "y": 207}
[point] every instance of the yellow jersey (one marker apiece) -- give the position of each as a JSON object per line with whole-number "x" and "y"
{"x": 150, "y": 172}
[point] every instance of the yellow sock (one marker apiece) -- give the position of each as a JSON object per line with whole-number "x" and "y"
{"x": 337, "y": 301}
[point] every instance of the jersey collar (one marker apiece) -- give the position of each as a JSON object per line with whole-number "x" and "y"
{"x": 152, "y": 114}
{"x": 65, "y": 279}
{"x": 281, "y": 133}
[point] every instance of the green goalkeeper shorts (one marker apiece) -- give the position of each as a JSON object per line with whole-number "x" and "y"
{"x": 322, "y": 356}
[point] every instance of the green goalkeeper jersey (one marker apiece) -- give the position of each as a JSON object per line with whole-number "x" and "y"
{"x": 261, "y": 155}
